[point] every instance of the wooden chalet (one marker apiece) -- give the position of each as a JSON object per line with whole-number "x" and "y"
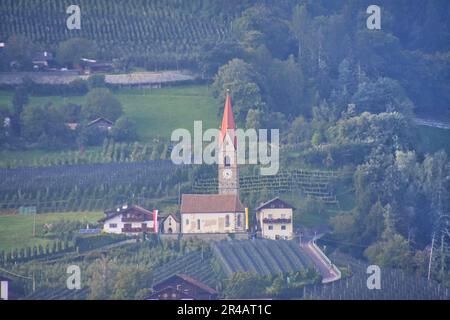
{"x": 182, "y": 287}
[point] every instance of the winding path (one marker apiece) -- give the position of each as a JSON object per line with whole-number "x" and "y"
{"x": 326, "y": 268}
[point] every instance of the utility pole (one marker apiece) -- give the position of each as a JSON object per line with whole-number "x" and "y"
{"x": 34, "y": 225}
{"x": 431, "y": 258}
{"x": 179, "y": 193}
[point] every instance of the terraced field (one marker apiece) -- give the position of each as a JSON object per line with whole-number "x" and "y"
{"x": 265, "y": 257}
{"x": 152, "y": 33}
{"x": 60, "y": 294}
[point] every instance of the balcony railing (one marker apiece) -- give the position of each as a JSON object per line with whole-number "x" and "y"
{"x": 278, "y": 220}
{"x": 137, "y": 229}
{"x": 135, "y": 219}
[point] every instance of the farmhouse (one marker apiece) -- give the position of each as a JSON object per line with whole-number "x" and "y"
{"x": 182, "y": 287}
{"x": 42, "y": 60}
{"x": 274, "y": 219}
{"x": 91, "y": 66}
{"x": 130, "y": 220}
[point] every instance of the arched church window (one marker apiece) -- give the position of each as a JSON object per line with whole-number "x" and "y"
{"x": 227, "y": 161}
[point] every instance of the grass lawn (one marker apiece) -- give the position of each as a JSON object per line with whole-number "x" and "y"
{"x": 157, "y": 112}
{"x": 16, "y": 231}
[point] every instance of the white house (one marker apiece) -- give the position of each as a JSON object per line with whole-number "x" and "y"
{"x": 130, "y": 220}
{"x": 4, "y": 282}
{"x": 274, "y": 219}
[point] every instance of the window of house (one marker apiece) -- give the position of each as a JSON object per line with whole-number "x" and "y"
{"x": 283, "y": 227}
{"x": 227, "y": 221}
{"x": 198, "y": 224}
{"x": 113, "y": 225}
{"x": 270, "y": 227}
{"x": 187, "y": 222}
{"x": 283, "y": 216}
{"x": 238, "y": 218}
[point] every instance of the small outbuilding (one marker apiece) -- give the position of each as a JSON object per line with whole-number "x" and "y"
{"x": 171, "y": 224}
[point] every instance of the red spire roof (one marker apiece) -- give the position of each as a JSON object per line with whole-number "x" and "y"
{"x": 228, "y": 118}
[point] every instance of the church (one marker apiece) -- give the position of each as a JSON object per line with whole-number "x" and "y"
{"x": 222, "y": 212}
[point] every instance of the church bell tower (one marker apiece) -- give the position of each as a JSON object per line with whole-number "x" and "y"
{"x": 228, "y": 167}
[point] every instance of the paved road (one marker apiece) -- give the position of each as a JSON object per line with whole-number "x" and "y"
{"x": 326, "y": 268}
{"x": 432, "y": 123}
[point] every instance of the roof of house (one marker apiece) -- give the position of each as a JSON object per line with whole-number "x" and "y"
{"x": 211, "y": 203}
{"x": 190, "y": 280}
{"x": 114, "y": 213}
{"x": 196, "y": 283}
{"x": 275, "y": 200}
{"x": 174, "y": 216}
{"x": 98, "y": 120}
{"x": 43, "y": 56}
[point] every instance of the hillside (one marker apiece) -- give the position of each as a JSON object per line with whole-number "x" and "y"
{"x": 157, "y": 112}
{"x": 155, "y": 34}
{"x": 395, "y": 285}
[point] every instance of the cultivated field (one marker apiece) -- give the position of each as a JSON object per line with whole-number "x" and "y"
{"x": 153, "y": 33}
{"x": 265, "y": 257}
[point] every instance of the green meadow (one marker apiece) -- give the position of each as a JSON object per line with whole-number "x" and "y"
{"x": 157, "y": 112}
{"x": 16, "y": 231}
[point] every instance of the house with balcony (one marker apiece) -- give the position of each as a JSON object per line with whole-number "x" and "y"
{"x": 130, "y": 220}
{"x": 274, "y": 220}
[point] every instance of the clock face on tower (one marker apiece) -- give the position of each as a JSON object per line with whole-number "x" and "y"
{"x": 227, "y": 174}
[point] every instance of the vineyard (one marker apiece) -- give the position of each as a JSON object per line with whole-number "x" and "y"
{"x": 111, "y": 151}
{"x": 155, "y": 34}
{"x": 88, "y": 187}
{"x": 60, "y": 294}
{"x": 395, "y": 285}
{"x": 265, "y": 257}
{"x": 314, "y": 183}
